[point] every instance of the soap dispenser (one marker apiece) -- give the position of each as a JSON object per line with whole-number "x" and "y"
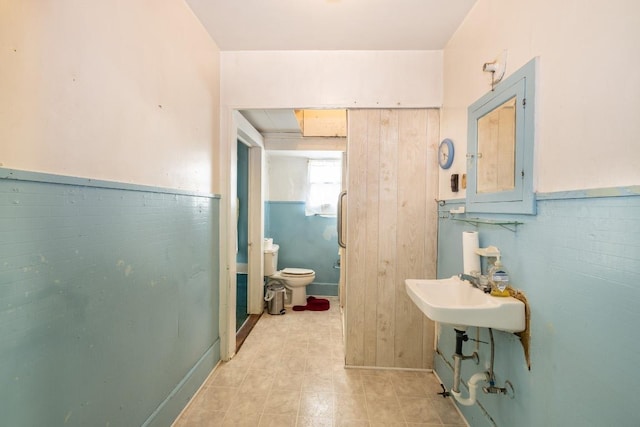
{"x": 499, "y": 279}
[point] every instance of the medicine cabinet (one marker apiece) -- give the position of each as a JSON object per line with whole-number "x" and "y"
{"x": 500, "y": 147}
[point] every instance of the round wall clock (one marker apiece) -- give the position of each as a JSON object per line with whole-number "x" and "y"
{"x": 445, "y": 153}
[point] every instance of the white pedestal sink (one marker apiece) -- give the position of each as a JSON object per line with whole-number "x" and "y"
{"x": 457, "y": 302}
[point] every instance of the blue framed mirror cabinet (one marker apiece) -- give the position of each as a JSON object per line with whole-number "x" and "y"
{"x": 500, "y": 146}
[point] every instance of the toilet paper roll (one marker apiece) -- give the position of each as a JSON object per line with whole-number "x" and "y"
{"x": 268, "y": 243}
{"x": 470, "y": 259}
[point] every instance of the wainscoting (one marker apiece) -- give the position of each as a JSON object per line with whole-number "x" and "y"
{"x": 578, "y": 263}
{"x": 109, "y": 306}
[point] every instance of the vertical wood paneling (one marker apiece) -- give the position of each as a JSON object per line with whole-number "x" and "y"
{"x": 372, "y": 227}
{"x": 410, "y": 257}
{"x": 431, "y": 227}
{"x": 391, "y": 235}
{"x": 356, "y": 238}
{"x": 387, "y": 242}
{"x": 431, "y": 177}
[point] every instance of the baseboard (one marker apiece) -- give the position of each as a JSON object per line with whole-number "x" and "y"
{"x": 181, "y": 395}
{"x": 387, "y": 368}
{"x": 193, "y": 398}
{"x": 323, "y": 289}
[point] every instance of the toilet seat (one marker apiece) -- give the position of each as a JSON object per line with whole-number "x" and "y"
{"x": 296, "y": 272}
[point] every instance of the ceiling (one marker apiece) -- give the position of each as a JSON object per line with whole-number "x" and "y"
{"x": 273, "y": 120}
{"x": 283, "y": 137}
{"x": 331, "y": 24}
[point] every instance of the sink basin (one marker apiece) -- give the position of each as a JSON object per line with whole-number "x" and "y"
{"x": 458, "y": 303}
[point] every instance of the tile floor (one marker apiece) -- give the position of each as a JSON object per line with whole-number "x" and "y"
{"x": 290, "y": 372}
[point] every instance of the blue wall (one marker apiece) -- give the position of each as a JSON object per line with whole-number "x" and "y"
{"x": 108, "y": 300}
{"x": 243, "y": 199}
{"x": 243, "y": 232}
{"x": 305, "y": 242}
{"x": 578, "y": 262}
{"x": 241, "y": 300}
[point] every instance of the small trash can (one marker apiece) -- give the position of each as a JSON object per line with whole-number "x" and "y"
{"x": 274, "y": 296}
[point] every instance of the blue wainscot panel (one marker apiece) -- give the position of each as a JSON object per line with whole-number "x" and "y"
{"x": 305, "y": 242}
{"x": 578, "y": 262}
{"x": 108, "y": 301}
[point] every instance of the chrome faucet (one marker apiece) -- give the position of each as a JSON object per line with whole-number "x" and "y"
{"x": 475, "y": 282}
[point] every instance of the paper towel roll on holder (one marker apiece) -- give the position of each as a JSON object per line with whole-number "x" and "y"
{"x": 470, "y": 259}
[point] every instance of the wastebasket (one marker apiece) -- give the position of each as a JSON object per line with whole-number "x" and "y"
{"x": 274, "y": 296}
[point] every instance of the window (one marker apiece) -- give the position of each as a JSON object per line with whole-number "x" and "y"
{"x": 324, "y": 179}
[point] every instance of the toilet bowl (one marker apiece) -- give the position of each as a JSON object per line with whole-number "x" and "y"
{"x": 295, "y": 280}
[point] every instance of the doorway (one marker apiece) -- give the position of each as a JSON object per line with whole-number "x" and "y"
{"x": 244, "y": 132}
{"x": 242, "y": 224}
{"x": 232, "y": 333}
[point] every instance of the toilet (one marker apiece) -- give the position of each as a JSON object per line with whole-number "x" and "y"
{"x": 295, "y": 280}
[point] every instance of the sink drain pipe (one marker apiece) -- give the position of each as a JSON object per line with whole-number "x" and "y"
{"x": 458, "y": 357}
{"x": 473, "y": 387}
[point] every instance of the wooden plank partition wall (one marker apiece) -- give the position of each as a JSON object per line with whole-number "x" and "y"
{"x": 391, "y": 235}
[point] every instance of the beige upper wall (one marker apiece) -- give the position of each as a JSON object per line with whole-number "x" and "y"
{"x": 320, "y": 79}
{"x": 356, "y": 79}
{"x": 588, "y": 92}
{"x": 122, "y": 90}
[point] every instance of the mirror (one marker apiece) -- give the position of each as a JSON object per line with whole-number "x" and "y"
{"x": 500, "y": 147}
{"x": 496, "y": 149}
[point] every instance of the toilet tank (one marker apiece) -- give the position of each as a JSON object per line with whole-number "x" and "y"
{"x": 271, "y": 260}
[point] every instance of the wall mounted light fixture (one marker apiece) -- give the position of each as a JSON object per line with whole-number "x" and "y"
{"x": 497, "y": 68}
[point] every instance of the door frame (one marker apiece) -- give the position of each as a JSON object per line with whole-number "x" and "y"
{"x": 241, "y": 129}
